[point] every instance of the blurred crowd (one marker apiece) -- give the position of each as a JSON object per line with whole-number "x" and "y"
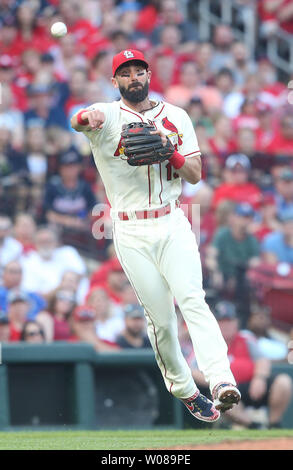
{"x": 58, "y": 281}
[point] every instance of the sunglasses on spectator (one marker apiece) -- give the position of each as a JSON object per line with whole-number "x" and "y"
{"x": 33, "y": 333}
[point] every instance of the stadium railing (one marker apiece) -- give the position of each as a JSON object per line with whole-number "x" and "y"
{"x": 62, "y": 385}
{"x": 245, "y": 24}
{"x": 70, "y": 386}
{"x": 209, "y": 13}
{"x": 280, "y": 51}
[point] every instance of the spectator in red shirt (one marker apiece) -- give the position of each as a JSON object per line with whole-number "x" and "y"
{"x": 282, "y": 142}
{"x": 84, "y": 329}
{"x": 265, "y": 132}
{"x": 17, "y": 312}
{"x": 112, "y": 278}
{"x": 164, "y": 70}
{"x": 99, "y": 41}
{"x": 222, "y": 143}
{"x": 55, "y": 319}
{"x": 267, "y": 11}
{"x": 100, "y": 275}
{"x": 285, "y": 16}
{"x": 247, "y": 117}
{"x": 9, "y": 44}
{"x": 236, "y": 186}
{"x": 30, "y": 33}
{"x": 77, "y": 25}
{"x": 29, "y": 67}
{"x": 148, "y": 17}
{"x": 271, "y": 88}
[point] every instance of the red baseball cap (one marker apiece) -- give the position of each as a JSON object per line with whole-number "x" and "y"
{"x": 84, "y": 313}
{"x": 127, "y": 56}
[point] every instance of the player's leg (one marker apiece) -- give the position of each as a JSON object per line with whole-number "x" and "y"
{"x": 181, "y": 266}
{"x": 154, "y": 294}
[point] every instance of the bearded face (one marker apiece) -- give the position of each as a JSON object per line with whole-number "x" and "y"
{"x": 132, "y": 90}
{"x": 135, "y": 93}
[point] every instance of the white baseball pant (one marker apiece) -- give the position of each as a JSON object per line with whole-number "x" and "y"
{"x": 161, "y": 259}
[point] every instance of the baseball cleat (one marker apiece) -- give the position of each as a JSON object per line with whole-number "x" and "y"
{"x": 225, "y": 395}
{"x": 201, "y": 407}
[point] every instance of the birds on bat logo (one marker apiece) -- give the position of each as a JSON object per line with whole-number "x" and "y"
{"x": 120, "y": 149}
{"x": 171, "y": 127}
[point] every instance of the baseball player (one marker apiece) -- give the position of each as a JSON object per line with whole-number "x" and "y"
{"x": 153, "y": 239}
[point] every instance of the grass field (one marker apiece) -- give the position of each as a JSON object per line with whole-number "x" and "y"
{"x": 126, "y": 440}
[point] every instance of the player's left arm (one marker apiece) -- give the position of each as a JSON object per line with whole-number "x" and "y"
{"x": 191, "y": 170}
{"x": 186, "y": 160}
{"x": 187, "y": 168}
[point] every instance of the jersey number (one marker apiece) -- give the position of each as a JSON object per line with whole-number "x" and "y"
{"x": 170, "y": 176}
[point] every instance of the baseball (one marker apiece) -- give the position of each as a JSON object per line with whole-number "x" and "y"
{"x": 59, "y": 29}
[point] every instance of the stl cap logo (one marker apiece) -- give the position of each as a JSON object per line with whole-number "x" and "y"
{"x": 128, "y": 54}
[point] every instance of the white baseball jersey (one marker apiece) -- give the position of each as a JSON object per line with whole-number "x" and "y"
{"x": 160, "y": 255}
{"x": 148, "y": 186}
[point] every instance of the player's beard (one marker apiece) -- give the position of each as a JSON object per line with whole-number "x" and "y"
{"x": 135, "y": 93}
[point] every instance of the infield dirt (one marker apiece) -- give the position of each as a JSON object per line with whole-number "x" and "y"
{"x": 282, "y": 443}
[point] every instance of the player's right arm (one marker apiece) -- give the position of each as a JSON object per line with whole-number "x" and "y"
{"x": 87, "y": 120}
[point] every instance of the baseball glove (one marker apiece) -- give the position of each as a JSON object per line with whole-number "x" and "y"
{"x": 143, "y": 148}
